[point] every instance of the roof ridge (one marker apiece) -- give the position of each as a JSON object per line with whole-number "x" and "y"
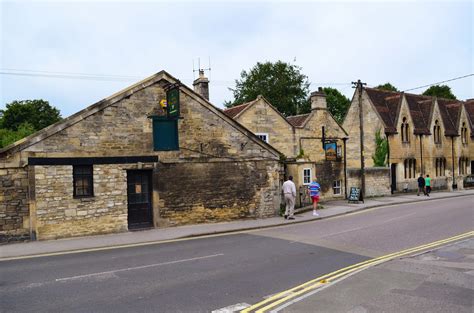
{"x": 240, "y": 105}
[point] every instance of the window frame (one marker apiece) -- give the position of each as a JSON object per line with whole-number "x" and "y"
{"x": 336, "y": 184}
{"x": 89, "y": 177}
{"x": 305, "y": 176}
{"x": 267, "y": 137}
{"x": 405, "y": 131}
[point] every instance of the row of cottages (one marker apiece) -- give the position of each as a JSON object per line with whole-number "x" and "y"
{"x": 426, "y": 135}
{"x": 126, "y": 163}
{"x": 312, "y": 145}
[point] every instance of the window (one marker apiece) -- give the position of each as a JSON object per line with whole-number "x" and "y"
{"x": 336, "y": 187}
{"x": 463, "y": 161}
{"x": 410, "y": 168}
{"x": 405, "y": 131}
{"x": 440, "y": 165}
{"x": 339, "y": 153}
{"x": 263, "y": 136}
{"x": 437, "y": 133}
{"x": 464, "y": 133}
{"x": 165, "y": 134}
{"x": 82, "y": 181}
{"x": 306, "y": 176}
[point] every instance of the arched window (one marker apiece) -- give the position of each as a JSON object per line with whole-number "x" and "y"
{"x": 463, "y": 165}
{"x": 464, "y": 133}
{"x": 410, "y": 168}
{"x": 440, "y": 166}
{"x": 437, "y": 133}
{"x": 404, "y": 130}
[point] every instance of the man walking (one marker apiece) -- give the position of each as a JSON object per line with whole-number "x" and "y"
{"x": 314, "y": 188}
{"x": 289, "y": 192}
{"x": 427, "y": 185}
{"x": 421, "y": 185}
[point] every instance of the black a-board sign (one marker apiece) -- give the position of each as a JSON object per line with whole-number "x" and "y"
{"x": 355, "y": 195}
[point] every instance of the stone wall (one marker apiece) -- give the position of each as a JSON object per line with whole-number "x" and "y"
{"x": 351, "y": 124}
{"x": 260, "y": 117}
{"x": 14, "y": 214}
{"x": 377, "y": 181}
{"x": 217, "y": 191}
{"x": 59, "y": 215}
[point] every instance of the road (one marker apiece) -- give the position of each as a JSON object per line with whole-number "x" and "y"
{"x": 206, "y": 274}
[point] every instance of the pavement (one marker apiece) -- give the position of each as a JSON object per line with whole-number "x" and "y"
{"x": 330, "y": 209}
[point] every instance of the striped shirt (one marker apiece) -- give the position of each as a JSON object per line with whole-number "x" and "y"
{"x": 314, "y": 189}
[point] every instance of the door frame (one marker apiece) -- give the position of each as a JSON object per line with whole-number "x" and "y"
{"x": 150, "y": 220}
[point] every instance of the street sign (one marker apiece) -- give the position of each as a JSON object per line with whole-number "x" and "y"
{"x": 354, "y": 195}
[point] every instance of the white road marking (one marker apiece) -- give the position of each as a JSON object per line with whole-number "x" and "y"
{"x": 232, "y": 308}
{"x": 137, "y": 267}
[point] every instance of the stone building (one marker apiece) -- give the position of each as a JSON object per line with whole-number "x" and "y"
{"x": 425, "y": 135}
{"x": 300, "y": 140}
{"x": 126, "y": 163}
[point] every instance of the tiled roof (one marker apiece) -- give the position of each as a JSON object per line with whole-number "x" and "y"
{"x": 387, "y": 105}
{"x": 298, "y": 120}
{"x": 234, "y": 111}
{"x": 420, "y": 110}
{"x": 469, "y": 105}
{"x": 450, "y": 110}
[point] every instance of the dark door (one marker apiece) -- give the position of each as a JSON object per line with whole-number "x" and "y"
{"x": 139, "y": 199}
{"x": 393, "y": 174}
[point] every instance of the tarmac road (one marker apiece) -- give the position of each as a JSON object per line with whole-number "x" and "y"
{"x": 205, "y": 274}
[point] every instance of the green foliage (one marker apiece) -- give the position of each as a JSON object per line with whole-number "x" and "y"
{"x": 282, "y": 84}
{"x": 338, "y": 104}
{"x": 440, "y": 91}
{"x": 22, "y": 118}
{"x": 381, "y": 150}
{"x": 387, "y": 86}
{"x": 301, "y": 154}
{"x": 8, "y": 136}
{"x": 38, "y": 113}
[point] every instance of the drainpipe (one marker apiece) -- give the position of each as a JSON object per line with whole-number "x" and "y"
{"x": 421, "y": 154}
{"x": 345, "y": 167}
{"x": 454, "y": 185}
{"x": 392, "y": 188}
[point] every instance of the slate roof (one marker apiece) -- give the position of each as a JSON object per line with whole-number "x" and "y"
{"x": 387, "y": 104}
{"x": 298, "y": 120}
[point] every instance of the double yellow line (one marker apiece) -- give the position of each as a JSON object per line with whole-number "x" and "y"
{"x": 294, "y": 292}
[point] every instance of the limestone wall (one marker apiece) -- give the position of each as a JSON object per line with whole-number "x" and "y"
{"x": 262, "y": 118}
{"x": 59, "y": 215}
{"x": 14, "y": 214}
{"x": 217, "y": 191}
{"x": 377, "y": 181}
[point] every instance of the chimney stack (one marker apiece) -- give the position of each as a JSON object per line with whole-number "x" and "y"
{"x": 201, "y": 85}
{"x": 318, "y": 100}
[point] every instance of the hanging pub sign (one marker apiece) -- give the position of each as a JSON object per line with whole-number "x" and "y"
{"x": 172, "y": 102}
{"x": 330, "y": 147}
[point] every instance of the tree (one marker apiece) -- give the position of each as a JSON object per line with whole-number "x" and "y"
{"x": 387, "y": 86}
{"x": 440, "y": 91}
{"x": 338, "y": 104}
{"x": 381, "y": 150}
{"x": 38, "y": 113}
{"x": 282, "y": 84}
{"x": 8, "y": 136}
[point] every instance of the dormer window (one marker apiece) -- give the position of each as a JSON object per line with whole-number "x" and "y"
{"x": 437, "y": 133}
{"x": 464, "y": 133}
{"x": 405, "y": 130}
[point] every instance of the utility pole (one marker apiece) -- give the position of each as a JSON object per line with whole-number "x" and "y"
{"x": 360, "y": 86}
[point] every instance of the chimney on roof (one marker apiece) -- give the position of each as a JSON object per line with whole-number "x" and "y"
{"x": 318, "y": 100}
{"x": 201, "y": 85}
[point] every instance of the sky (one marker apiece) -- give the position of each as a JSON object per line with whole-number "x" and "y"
{"x": 75, "y": 53}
